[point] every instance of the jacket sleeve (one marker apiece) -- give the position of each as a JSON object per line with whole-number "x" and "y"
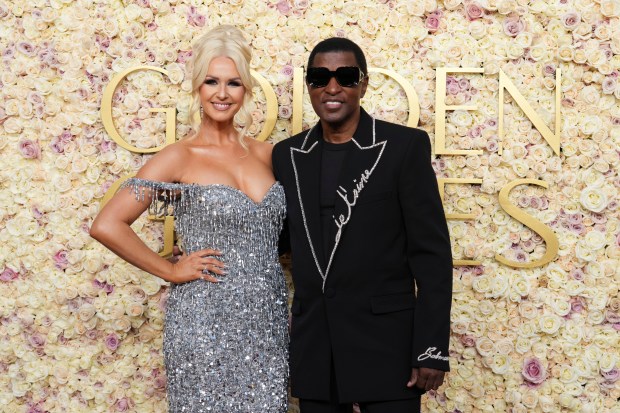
{"x": 428, "y": 253}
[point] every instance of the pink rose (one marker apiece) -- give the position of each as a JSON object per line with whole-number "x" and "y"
{"x": 609, "y": 85}
{"x": 432, "y": 22}
{"x": 57, "y": 145}
{"x": 578, "y": 229}
{"x": 37, "y": 408}
{"x": 523, "y": 201}
{"x": 196, "y": 19}
{"x": 473, "y": 10}
{"x": 123, "y": 405}
{"x": 285, "y": 112}
{"x": 512, "y": 27}
{"x": 287, "y": 70}
{"x": 533, "y": 371}
{"x": 577, "y": 304}
{"x": 570, "y": 20}
{"x": 107, "y": 146}
{"x": 452, "y": 86}
{"x": 612, "y": 317}
{"x": 91, "y": 334}
{"x": 183, "y": 56}
{"x": 26, "y": 48}
{"x": 8, "y": 275}
{"x": 612, "y": 375}
{"x": 283, "y": 7}
{"x": 112, "y": 342}
{"x": 36, "y": 340}
{"x": 468, "y": 341}
{"x": 30, "y": 149}
{"x": 60, "y": 260}
{"x": 549, "y": 69}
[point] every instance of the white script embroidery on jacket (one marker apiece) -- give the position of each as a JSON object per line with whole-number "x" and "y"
{"x": 342, "y": 220}
{"x": 428, "y": 354}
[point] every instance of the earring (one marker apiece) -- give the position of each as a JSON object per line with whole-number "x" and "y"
{"x": 201, "y": 112}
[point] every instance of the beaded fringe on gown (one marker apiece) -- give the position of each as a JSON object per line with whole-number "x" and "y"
{"x": 225, "y": 344}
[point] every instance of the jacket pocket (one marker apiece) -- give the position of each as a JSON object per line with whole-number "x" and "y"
{"x": 393, "y": 302}
{"x": 296, "y": 307}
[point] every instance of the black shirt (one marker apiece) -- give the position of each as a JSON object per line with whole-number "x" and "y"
{"x": 332, "y": 159}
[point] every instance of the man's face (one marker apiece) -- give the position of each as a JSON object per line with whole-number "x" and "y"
{"x": 335, "y": 104}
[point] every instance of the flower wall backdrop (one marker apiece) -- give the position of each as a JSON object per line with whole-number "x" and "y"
{"x": 80, "y": 330}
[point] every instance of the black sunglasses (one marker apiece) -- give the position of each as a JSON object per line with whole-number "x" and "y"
{"x": 346, "y": 76}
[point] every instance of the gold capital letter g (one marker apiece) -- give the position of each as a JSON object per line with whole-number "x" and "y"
{"x": 108, "y": 122}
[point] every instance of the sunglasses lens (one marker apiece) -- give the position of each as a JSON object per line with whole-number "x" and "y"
{"x": 318, "y": 76}
{"x": 348, "y": 76}
{"x": 345, "y": 76}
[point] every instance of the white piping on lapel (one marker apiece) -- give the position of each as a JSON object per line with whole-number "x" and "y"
{"x": 301, "y": 204}
{"x": 341, "y": 192}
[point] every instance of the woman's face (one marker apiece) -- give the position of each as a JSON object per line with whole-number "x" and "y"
{"x": 222, "y": 92}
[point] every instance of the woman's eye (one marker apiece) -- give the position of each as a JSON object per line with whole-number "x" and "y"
{"x": 235, "y": 83}
{"x": 210, "y": 82}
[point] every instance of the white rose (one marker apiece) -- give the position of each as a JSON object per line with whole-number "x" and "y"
{"x": 561, "y": 306}
{"x": 549, "y": 323}
{"x": 485, "y": 346}
{"x": 590, "y": 124}
{"x": 500, "y": 363}
{"x": 593, "y": 199}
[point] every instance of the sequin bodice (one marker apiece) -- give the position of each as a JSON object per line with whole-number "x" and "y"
{"x": 225, "y": 344}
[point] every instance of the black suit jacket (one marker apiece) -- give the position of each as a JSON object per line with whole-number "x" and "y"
{"x": 359, "y": 306}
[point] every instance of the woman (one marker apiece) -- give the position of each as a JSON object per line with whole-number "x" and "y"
{"x": 225, "y": 336}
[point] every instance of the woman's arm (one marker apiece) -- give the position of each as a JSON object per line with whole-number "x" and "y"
{"x": 112, "y": 227}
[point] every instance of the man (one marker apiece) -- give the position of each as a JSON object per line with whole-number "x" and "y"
{"x": 367, "y": 230}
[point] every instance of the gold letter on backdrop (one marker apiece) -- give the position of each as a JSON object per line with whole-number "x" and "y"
{"x": 412, "y": 97}
{"x": 544, "y": 231}
{"x": 553, "y": 139}
{"x": 298, "y": 99}
{"x": 442, "y": 183}
{"x": 272, "y": 106}
{"x": 440, "y": 111}
{"x": 108, "y": 122}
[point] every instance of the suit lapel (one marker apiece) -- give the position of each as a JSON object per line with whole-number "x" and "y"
{"x": 306, "y": 162}
{"x": 356, "y": 172}
{"x": 359, "y": 165}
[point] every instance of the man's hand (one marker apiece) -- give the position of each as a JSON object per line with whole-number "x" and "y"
{"x": 425, "y": 378}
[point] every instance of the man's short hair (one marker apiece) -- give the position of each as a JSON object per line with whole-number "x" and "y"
{"x": 339, "y": 44}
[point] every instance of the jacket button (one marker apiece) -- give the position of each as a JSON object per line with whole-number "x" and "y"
{"x": 330, "y": 292}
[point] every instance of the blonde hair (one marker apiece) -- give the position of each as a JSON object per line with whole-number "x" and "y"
{"x": 223, "y": 41}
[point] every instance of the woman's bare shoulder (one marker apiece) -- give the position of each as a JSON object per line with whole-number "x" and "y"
{"x": 167, "y": 164}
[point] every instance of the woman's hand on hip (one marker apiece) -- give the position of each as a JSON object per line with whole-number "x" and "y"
{"x": 198, "y": 265}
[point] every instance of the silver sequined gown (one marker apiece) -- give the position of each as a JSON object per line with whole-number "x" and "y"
{"x": 226, "y": 344}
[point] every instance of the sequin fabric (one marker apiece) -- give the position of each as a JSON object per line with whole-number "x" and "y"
{"x": 225, "y": 344}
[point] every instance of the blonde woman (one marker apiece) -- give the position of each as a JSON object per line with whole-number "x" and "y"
{"x": 225, "y": 337}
